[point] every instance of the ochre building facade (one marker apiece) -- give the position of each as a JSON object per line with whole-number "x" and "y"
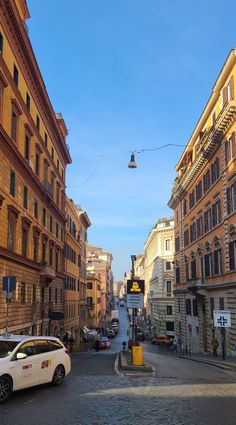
{"x": 204, "y": 202}
{"x": 34, "y": 156}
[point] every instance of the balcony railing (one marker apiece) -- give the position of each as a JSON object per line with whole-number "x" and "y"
{"x": 197, "y": 283}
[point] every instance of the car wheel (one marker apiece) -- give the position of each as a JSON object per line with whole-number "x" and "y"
{"x": 59, "y": 375}
{"x": 5, "y": 388}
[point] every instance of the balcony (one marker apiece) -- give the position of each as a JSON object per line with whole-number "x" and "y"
{"x": 197, "y": 285}
{"x": 47, "y": 274}
{"x": 48, "y": 188}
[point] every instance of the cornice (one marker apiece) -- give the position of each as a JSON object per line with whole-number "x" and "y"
{"x": 11, "y": 256}
{"x": 16, "y": 28}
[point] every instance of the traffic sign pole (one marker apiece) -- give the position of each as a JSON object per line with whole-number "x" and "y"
{"x": 223, "y": 342}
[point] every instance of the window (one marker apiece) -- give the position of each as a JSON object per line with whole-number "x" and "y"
{"x": 89, "y": 302}
{"x": 1, "y": 43}
{"x": 215, "y": 171}
{"x": 232, "y": 255}
{"x": 12, "y": 183}
{"x": 177, "y": 274}
{"x": 42, "y": 346}
{"x": 46, "y": 139}
{"x": 58, "y": 164}
{"x": 50, "y": 294}
{"x": 188, "y": 307}
{"x": 216, "y": 213}
{"x": 167, "y": 245}
{"x": 207, "y": 220}
{"x": 11, "y": 233}
{"x": 185, "y": 207}
{"x": 36, "y": 209}
{"x": 200, "y": 226}
{"x": 42, "y": 297}
{"x": 168, "y": 287}
{"x": 208, "y": 264}
{"x": 44, "y": 217}
{"x": 168, "y": 265}
{"x": 169, "y": 310}
{"x": 192, "y": 232}
{"x": 221, "y": 303}
{"x": 50, "y": 256}
{"x": 228, "y": 91}
{"x": 34, "y": 293}
{"x": 25, "y": 199}
{"x": 177, "y": 244}
{"x": 230, "y": 148}
{"x": 187, "y": 269}
{"x": 52, "y": 152}
{"x": 206, "y": 181}
{"x": 22, "y": 293}
{"x": 56, "y": 260}
{"x": 195, "y": 312}
{"x": 231, "y": 198}
{"x": 24, "y": 242}
{"x": 27, "y": 148}
{"x": 55, "y": 295}
{"x": 14, "y": 124}
{"x": 186, "y": 238}
{"x": 193, "y": 269}
{"x": 191, "y": 199}
{"x": 217, "y": 262}
{"x": 51, "y": 224}
{"x": 15, "y": 75}
{"x": 57, "y": 230}
{"x": 37, "y": 162}
{"x": 38, "y": 122}
{"x": 90, "y": 285}
{"x": 212, "y": 307}
{"x": 198, "y": 191}
{"x": 35, "y": 241}
{"x": 177, "y": 216}
{"x": 28, "y": 101}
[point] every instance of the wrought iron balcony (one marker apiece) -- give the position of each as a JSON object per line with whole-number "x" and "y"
{"x": 196, "y": 284}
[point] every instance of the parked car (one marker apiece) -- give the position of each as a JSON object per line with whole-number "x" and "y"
{"x": 161, "y": 340}
{"x": 111, "y": 333}
{"x": 26, "y": 361}
{"x": 140, "y": 336}
{"x": 104, "y": 343}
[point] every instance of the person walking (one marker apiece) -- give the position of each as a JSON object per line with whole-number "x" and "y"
{"x": 66, "y": 339}
{"x": 71, "y": 343}
{"x": 214, "y": 345}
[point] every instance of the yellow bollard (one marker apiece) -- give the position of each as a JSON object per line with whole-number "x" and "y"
{"x": 137, "y": 356}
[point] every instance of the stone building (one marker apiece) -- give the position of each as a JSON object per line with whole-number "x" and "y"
{"x": 204, "y": 204}
{"x": 93, "y": 300}
{"x": 34, "y": 156}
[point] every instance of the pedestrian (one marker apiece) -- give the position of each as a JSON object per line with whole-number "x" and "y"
{"x": 124, "y": 343}
{"x": 66, "y": 339}
{"x": 97, "y": 345}
{"x": 71, "y": 343}
{"x": 214, "y": 345}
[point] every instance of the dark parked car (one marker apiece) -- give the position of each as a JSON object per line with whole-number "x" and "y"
{"x": 140, "y": 336}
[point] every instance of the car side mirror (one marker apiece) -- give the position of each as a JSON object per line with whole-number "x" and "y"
{"x": 21, "y": 356}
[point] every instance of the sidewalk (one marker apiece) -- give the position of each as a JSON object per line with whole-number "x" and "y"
{"x": 227, "y": 364}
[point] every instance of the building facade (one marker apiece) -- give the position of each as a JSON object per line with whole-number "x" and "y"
{"x": 159, "y": 277}
{"x": 93, "y": 300}
{"x": 204, "y": 202}
{"x": 100, "y": 262}
{"x": 34, "y": 156}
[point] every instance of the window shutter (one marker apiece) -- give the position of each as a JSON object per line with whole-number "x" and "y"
{"x": 216, "y": 264}
{"x": 231, "y": 87}
{"x": 224, "y": 94}
{"x": 229, "y": 200}
{"x": 233, "y": 144}
{"x": 207, "y": 265}
{"x": 205, "y": 222}
{"x": 231, "y": 256}
{"x": 214, "y": 215}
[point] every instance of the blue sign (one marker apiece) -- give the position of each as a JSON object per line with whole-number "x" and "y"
{"x": 222, "y": 321}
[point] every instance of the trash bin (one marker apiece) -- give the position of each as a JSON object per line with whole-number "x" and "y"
{"x": 137, "y": 355}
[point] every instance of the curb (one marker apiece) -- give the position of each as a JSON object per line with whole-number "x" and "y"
{"x": 124, "y": 366}
{"x": 212, "y": 363}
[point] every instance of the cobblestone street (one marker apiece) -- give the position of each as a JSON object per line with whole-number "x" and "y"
{"x": 92, "y": 397}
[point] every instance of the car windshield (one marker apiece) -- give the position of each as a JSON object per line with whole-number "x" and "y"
{"x": 6, "y": 348}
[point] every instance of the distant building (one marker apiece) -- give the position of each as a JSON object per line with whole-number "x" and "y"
{"x": 93, "y": 300}
{"x": 156, "y": 266}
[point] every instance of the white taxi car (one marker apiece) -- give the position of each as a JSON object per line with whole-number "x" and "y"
{"x": 26, "y": 361}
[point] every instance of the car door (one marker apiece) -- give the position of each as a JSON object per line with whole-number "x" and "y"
{"x": 25, "y": 372}
{"x": 46, "y": 360}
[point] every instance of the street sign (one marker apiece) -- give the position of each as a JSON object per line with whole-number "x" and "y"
{"x": 135, "y": 293}
{"x": 8, "y": 286}
{"x": 222, "y": 318}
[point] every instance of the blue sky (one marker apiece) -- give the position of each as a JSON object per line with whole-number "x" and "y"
{"x": 128, "y": 75}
